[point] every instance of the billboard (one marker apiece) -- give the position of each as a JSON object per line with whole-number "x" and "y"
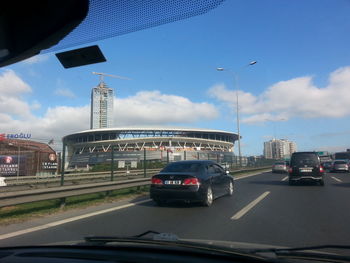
{"x": 9, "y": 165}
{"x": 49, "y": 161}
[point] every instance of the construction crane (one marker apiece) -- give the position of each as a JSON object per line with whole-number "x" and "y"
{"x": 102, "y": 75}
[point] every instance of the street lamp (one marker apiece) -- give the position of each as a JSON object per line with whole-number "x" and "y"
{"x": 235, "y": 77}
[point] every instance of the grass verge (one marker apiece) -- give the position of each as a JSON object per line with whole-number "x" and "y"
{"x": 23, "y": 212}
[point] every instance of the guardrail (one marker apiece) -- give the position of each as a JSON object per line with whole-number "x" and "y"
{"x": 21, "y": 180}
{"x": 21, "y": 197}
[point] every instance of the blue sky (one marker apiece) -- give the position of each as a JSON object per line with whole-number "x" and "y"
{"x": 287, "y": 94}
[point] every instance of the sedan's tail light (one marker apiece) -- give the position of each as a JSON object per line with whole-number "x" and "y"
{"x": 321, "y": 169}
{"x": 290, "y": 170}
{"x": 191, "y": 181}
{"x": 156, "y": 181}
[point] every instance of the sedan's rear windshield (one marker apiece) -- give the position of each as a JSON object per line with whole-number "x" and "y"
{"x": 182, "y": 167}
{"x": 304, "y": 159}
{"x": 339, "y": 162}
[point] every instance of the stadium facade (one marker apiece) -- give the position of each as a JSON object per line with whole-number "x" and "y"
{"x": 91, "y": 147}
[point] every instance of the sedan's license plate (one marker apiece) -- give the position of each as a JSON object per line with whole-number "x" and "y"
{"x": 305, "y": 170}
{"x": 173, "y": 182}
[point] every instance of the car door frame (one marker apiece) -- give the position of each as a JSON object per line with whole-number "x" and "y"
{"x": 222, "y": 180}
{"x": 214, "y": 180}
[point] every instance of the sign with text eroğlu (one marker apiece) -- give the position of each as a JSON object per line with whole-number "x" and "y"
{"x": 4, "y": 136}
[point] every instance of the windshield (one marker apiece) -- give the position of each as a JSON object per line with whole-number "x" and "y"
{"x": 339, "y": 162}
{"x": 304, "y": 159}
{"x": 256, "y": 92}
{"x": 182, "y": 167}
{"x": 342, "y": 155}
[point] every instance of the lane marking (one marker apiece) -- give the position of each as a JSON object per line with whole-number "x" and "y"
{"x": 68, "y": 220}
{"x": 285, "y": 178}
{"x": 244, "y": 210}
{"x": 335, "y": 178}
{"x": 246, "y": 176}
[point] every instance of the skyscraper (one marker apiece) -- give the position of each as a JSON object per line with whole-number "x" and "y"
{"x": 101, "y": 107}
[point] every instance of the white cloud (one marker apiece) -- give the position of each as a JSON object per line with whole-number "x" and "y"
{"x": 36, "y": 59}
{"x": 291, "y": 98}
{"x": 12, "y": 85}
{"x": 11, "y": 89}
{"x": 152, "y": 107}
{"x": 65, "y": 93}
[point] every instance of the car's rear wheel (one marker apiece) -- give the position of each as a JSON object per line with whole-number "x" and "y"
{"x": 230, "y": 188}
{"x": 321, "y": 182}
{"x": 208, "y": 199}
{"x": 291, "y": 182}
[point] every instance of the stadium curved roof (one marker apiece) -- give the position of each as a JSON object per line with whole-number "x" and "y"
{"x": 146, "y": 132}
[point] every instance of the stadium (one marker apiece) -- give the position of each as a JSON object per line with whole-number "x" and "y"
{"x": 95, "y": 146}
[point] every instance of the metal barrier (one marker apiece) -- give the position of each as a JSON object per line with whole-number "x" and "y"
{"x": 22, "y": 180}
{"x": 21, "y": 197}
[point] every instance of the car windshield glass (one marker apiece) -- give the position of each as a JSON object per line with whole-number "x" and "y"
{"x": 206, "y": 119}
{"x": 182, "y": 167}
{"x": 304, "y": 159}
{"x": 342, "y": 155}
{"x": 339, "y": 162}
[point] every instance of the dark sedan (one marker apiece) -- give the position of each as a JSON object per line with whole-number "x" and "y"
{"x": 191, "y": 181}
{"x": 327, "y": 165}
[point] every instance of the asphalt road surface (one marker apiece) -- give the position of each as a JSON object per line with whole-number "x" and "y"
{"x": 264, "y": 209}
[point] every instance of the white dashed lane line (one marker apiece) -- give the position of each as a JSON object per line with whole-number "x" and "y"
{"x": 285, "y": 178}
{"x": 239, "y": 177}
{"x": 248, "y": 207}
{"x": 335, "y": 178}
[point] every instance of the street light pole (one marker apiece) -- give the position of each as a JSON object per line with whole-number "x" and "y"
{"x": 237, "y": 120}
{"x": 235, "y": 76}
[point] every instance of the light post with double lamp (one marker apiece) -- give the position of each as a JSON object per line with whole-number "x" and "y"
{"x": 235, "y": 77}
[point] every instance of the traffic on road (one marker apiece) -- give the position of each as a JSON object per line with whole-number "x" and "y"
{"x": 248, "y": 217}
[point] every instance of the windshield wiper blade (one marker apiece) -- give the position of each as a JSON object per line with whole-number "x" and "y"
{"x": 153, "y": 236}
{"x": 147, "y": 233}
{"x": 301, "y": 248}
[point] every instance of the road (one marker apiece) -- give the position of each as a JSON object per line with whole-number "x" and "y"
{"x": 264, "y": 209}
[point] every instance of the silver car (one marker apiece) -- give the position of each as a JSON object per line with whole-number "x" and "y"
{"x": 340, "y": 166}
{"x": 280, "y": 167}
